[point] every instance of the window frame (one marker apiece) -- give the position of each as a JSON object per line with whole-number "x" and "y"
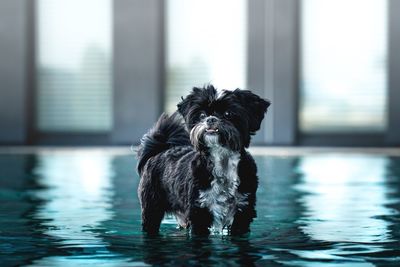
{"x": 275, "y": 67}
{"x": 389, "y": 136}
{"x": 34, "y": 135}
{"x": 132, "y": 71}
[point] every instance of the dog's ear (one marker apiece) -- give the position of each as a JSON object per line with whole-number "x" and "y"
{"x": 187, "y": 102}
{"x": 183, "y": 106}
{"x": 255, "y": 106}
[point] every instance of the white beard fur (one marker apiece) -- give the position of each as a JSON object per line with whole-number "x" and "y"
{"x": 223, "y": 198}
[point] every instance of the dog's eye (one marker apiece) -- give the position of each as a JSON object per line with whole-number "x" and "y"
{"x": 227, "y": 114}
{"x": 202, "y": 116}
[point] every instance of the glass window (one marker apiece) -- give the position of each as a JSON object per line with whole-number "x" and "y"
{"x": 343, "y": 70}
{"x": 74, "y": 76}
{"x": 206, "y": 43}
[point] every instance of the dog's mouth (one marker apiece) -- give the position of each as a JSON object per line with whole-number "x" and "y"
{"x": 212, "y": 131}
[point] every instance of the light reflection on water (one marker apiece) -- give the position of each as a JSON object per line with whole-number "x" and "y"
{"x": 77, "y": 198}
{"x": 81, "y": 208}
{"x": 344, "y": 198}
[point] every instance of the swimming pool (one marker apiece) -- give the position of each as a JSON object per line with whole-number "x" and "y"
{"x": 75, "y": 207}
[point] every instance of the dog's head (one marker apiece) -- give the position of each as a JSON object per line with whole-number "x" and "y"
{"x": 222, "y": 118}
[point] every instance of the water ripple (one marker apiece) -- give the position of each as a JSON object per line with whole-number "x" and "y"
{"x": 74, "y": 209}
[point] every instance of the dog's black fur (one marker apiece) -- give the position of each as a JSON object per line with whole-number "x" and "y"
{"x": 199, "y": 169}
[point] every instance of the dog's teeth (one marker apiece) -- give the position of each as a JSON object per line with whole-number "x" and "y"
{"x": 216, "y": 130}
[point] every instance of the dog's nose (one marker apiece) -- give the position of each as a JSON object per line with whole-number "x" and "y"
{"x": 211, "y": 120}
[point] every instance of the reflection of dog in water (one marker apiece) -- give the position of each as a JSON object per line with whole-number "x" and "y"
{"x": 203, "y": 251}
{"x": 199, "y": 169}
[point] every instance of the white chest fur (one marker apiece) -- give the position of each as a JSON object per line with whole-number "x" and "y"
{"x": 223, "y": 198}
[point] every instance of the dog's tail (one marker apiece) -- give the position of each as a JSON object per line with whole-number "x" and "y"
{"x": 169, "y": 131}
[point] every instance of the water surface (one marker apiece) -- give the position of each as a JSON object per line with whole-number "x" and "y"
{"x": 77, "y": 208}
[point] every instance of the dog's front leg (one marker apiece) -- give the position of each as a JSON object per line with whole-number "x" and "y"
{"x": 200, "y": 221}
{"x": 247, "y": 171}
{"x": 200, "y": 217}
{"x": 243, "y": 217}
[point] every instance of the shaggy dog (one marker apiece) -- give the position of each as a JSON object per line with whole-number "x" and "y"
{"x": 198, "y": 168}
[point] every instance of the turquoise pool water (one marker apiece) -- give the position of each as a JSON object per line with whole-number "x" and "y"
{"x": 77, "y": 208}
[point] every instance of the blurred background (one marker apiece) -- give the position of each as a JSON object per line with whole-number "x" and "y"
{"x": 100, "y": 72}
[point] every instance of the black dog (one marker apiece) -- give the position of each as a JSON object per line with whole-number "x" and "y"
{"x": 199, "y": 170}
